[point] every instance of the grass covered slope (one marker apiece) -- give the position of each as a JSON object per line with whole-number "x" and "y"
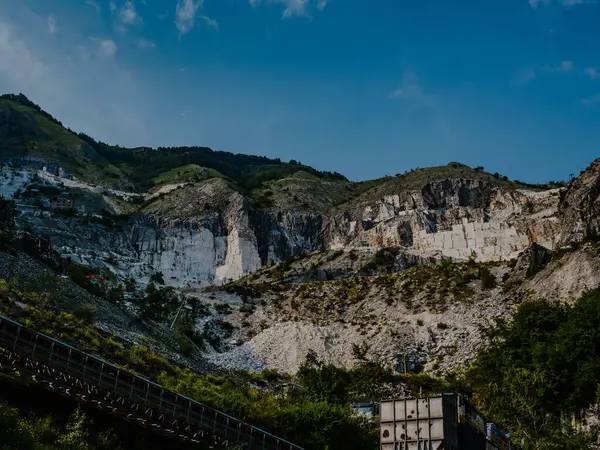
{"x": 313, "y": 421}
{"x": 27, "y": 130}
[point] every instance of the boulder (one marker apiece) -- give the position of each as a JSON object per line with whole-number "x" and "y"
{"x": 530, "y": 262}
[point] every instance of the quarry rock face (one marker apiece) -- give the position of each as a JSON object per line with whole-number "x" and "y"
{"x": 361, "y": 280}
{"x": 456, "y": 218}
{"x": 580, "y": 206}
{"x": 530, "y": 262}
{"x": 205, "y": 233}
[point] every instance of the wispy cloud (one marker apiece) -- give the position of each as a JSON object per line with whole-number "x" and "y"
{"x": 535, "y": 3}
{"x": 95, "y": 49}
{"x": 530, "y": 73}
{"x": 145, "y": 43}
{"x": 590, "y": 101}
{"x": 107, "y": 48}
{"x": 187, "y": 15}
{"x": 211, "y": 23}
{"x": 592, "y": 72}
{"x": 17, "y": 62}
{"x": 128, "y": 14}
{"x": 564, "y": 67}
{"x": 125, "y": 16}
{"x": 52, "y": 28}
{"x": 412, "y": 89}
{"x": 412, "y": 92}
{"x": 58, "y": 74}
{"x": 94, "y": 5}
{"x": 295, "y": 7}
{"x": 525, "y": 76}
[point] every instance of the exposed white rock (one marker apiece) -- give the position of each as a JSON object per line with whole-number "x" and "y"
{"x": 193, "y": 245}
{"x": 12, "y": 180}
{"x": 242, "y": 256}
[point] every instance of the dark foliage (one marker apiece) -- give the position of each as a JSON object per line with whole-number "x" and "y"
{"x": 541, "y": 368}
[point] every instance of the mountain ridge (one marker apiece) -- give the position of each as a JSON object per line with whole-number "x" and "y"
{"x": 120, "y": 162}
{"x": 25, "y": 127}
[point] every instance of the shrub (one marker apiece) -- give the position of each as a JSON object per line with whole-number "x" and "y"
{"x": 249, "y": 309}
{"x": 335, "y": 255}
{"x": 223, "y": 308}
{"x": 85, "y": 313}
{"x": 158, "y": 278}
{"x": 488, "y": 280}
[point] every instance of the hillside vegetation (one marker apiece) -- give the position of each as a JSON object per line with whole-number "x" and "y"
{"x": 329, "y": 286}
{"x": 542, "y": 369}
{"x": 313, "y": 420}
{"x": 25, "y": 129}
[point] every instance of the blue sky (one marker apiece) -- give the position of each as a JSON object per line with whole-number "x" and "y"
{"x": 367, "y": 88}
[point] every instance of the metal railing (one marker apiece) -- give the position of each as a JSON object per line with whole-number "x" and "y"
{"x": 127, "y": 394}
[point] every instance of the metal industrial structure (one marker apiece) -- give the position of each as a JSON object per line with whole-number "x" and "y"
{"x": 86, "y": 378}
{"x": 369, "y": 410}
{"x": 447, "y": 422}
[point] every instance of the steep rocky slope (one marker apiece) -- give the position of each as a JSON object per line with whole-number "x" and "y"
{"x": 291, "y": 259}
{"x": 429, "y": 316}
{"x": 210, "y": 231}
{"x": 198, "y": 225}
{"x": 420, "y": 312}
{"x": 580, "y": 206}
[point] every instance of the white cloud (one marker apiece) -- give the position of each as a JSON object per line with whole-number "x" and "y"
{"x": 565, "y": 66}
{"x": 128, "y": 15}
{"x": 107, "y": 48}
{"x": 528, "y": 74}
{"x": 125, "y": 16}
{"x": 295, "y": 7}
{"x": 185, "y": 14}
{"x": 17, "y": 63}
{"x": 590, "y": 101}
{"x": 321, "y": 4}
{"x": 210, "y": 22}
{"x": 562, "y": 67}
{"x": 52, "y": 28}
{"x": 96, "y": 48}
{"x": 91, "y": 94}
{"x": 411, "y": 94}
{"x": 535, "y": 3}
{"x": 592, "y": 72}
{"x": 411, "y": 90}
{"x": 94, "y": 5}
{"x": 145, "y": 43}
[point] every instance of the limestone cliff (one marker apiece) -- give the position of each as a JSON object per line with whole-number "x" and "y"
{"x": 580, "y": 206}
{"x": 211, "y": 232}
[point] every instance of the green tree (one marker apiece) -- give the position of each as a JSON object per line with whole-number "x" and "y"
{"x": 76, "y": 434}
{"x": 541, "y": 367}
